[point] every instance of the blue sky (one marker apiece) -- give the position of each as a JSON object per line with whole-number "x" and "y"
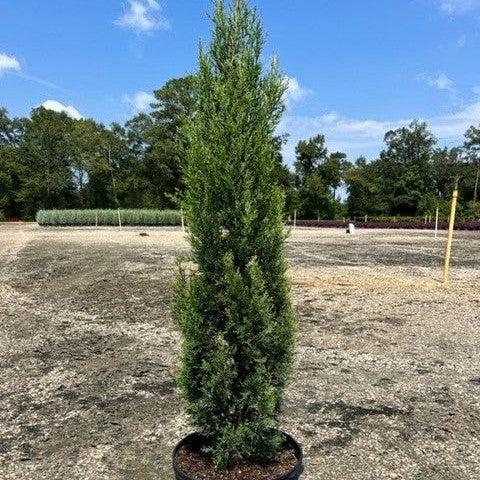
{"x": 356, "y": 67}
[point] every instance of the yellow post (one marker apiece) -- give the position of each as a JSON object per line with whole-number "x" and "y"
{"x": 448, "y": 251}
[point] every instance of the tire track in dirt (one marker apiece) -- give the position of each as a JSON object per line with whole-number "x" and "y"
{"x": 13, "y": 241}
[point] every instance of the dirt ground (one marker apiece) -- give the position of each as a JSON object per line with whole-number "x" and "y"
{"x": 387, "y": 381}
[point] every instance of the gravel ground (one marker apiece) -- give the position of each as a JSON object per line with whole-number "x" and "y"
{"x": 387, "y": 381}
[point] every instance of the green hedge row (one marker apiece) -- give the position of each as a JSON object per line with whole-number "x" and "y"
{"x": 58, "y": 218}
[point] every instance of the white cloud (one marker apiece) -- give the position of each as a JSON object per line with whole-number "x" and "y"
{"x": 451, "y": 126}
{"x": 143, "y": 16}
{"x": 476, "y": 90}
{"x": 295, "y": 92}
{"x": 365, "y": 136}
{"x": 8, "y": 63}
{"x": 31, "y": 78}
{"x": 330, "y": 118}
{"x": 60, "y": 107}
{"x": 140, "y": 101}
{"x": 440, "y": 81}
{"x": 457, "y": 7}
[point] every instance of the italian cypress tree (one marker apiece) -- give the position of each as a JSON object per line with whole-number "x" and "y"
{"x": 233, "y": 308}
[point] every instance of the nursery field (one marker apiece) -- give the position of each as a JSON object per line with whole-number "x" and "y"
{"x": 387, "y": 377}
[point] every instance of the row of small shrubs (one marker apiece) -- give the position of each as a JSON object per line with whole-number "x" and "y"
{"x": 132, "y": 217}
{"x": 473, "y": 226}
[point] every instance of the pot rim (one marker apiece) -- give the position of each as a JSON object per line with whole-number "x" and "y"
{"x": 289, "y": 440}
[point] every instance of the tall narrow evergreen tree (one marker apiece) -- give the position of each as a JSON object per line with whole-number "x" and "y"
{"x": 234, "y": 308}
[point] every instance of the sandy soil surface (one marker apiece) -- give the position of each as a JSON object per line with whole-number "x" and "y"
{"x": 387, "y": 381}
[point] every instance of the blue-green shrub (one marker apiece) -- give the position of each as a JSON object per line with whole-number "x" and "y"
{"x": 64, "y": 218}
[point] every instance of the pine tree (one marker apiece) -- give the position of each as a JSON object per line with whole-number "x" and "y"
{"x": 234, "y": 308}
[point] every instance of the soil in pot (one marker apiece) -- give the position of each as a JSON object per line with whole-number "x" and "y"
{"x": 199, "y": 466}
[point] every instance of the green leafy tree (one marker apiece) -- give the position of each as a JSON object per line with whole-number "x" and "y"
{"x": 84, "y": 147}
{"x": 472, "y": 146}
{"x": 333, "y": 171}
{"x": 405, "y": 165}
{"x": 9, "y": 182}
{"x": 310, "y": 154}
{"x": 315, "y": 200}
{"x": 429, "y": 204}
{"x": 318, "y": 176}
{"x": 472, "y": 211}
{"x": 447, "y": 165}
{"x": 46, "y": 177}
{"x": 129, "y": 181}
{"x": 285, "y": 178}
{"x": 366, "y": 190}
{"x": 11, "y": 134}
{"x": 99, "y": 189}
{"x": 149, "y": 173}
{"x": 234, "y": 309}
{"x": 173, "y": 106}
{"x": 11, "y": 130}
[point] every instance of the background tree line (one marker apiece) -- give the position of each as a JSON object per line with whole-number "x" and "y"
{"x": 50, "y": 160}
{"x": 411, "y": 177}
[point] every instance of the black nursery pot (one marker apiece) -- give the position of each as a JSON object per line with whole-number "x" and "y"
{"x": 195, "y": 439}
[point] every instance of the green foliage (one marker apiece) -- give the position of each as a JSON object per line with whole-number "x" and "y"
{"x": 318, "y": 176}
{"x": 411, "y": 177}
{"x": 233, "y": 308}
{"x": 334, "y": 169}
{"x": 315, "y": 202}
{"x": 11, "y": 132}
{"x": 285, "y": 178}
{"x": 406, "y": 163}
{"x": 429, "y": 203}
{"x": 472, "y": 147}
{"x": 9, "y": 181}
{"x": 365, "y": 190}
{"x": 59, "y": 218}
{"x": 446, "y": 165}
{"x": 44, "y": 161}
{"x": 310, "y": 156}
{"x": 53, "y": 161}
{"x": 159, "y": 143}
{"x": 472, "y": 211}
